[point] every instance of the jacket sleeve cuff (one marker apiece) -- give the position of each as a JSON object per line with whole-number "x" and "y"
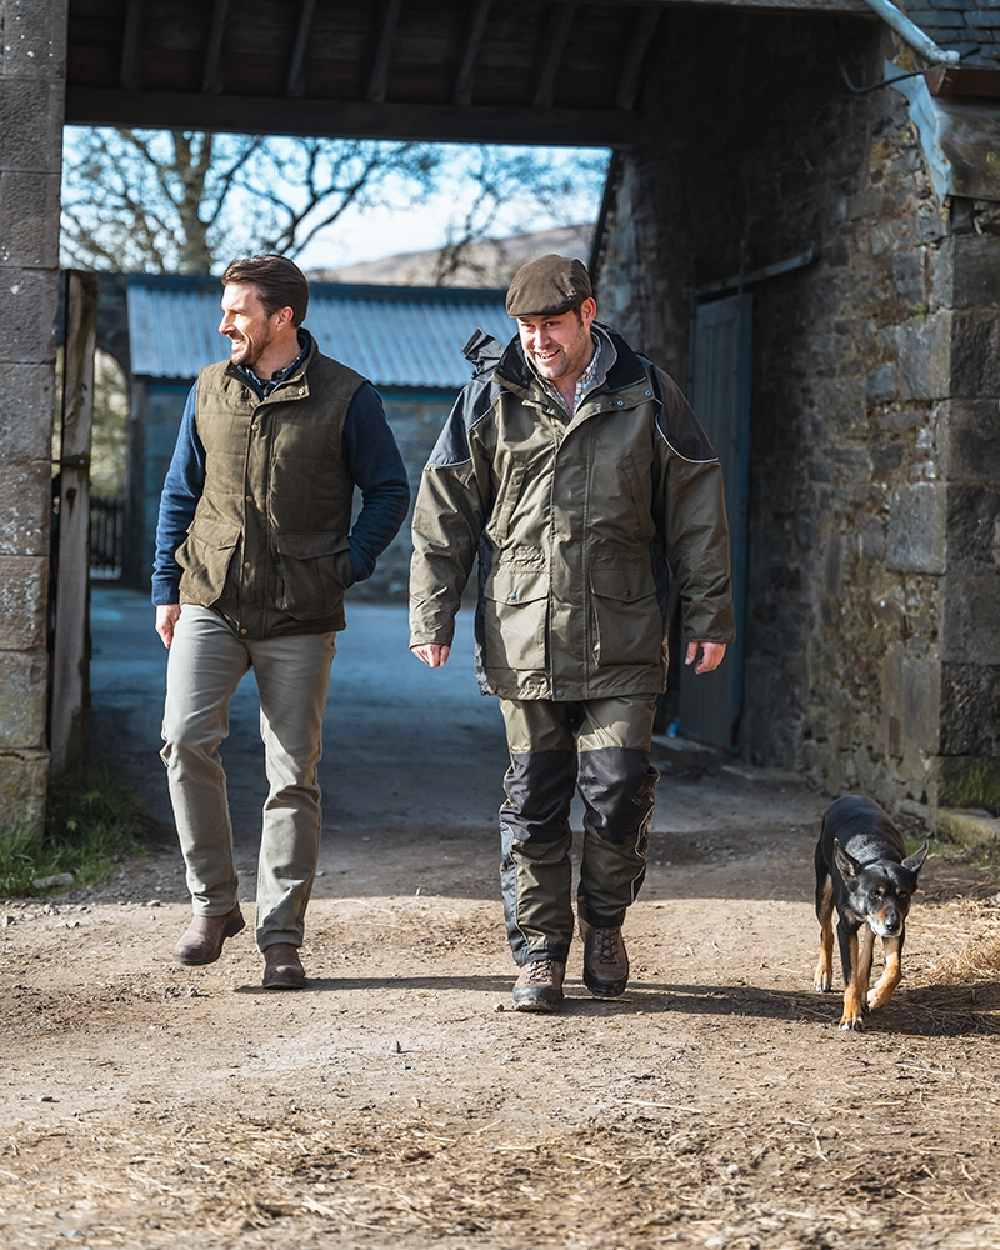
{"x": 423, "y": 638}
{"x": 166, "y": 591}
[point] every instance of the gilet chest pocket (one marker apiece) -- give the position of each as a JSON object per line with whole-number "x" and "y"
{"x": 628, "y": 627}
{"x": 515, "y": 615}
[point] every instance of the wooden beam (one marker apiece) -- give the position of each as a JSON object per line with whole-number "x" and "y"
{"x": 378, "y": 81}
{"x": 628, "y": 84}
{"x": 545, "y": 91}
{"x": 296, "y": 85}
{"x": 353, "y": 119}
{"x": 211, "y": 79}
{"x": 131, "y": 46}
{"x": 70, "y": 659}
{"x": 477, "y": 28}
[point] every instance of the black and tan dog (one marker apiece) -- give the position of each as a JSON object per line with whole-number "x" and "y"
{"x": 861, "y": 871}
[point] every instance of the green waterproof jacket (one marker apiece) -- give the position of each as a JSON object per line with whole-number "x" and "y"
{"x": 579, "y": 523}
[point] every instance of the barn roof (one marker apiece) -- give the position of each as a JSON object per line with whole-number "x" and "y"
{"x": 463, "y": 70}
{"x": 407, "y": 336}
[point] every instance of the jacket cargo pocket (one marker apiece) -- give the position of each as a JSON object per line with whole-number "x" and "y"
{"x": 628, "y": 627}
{"x": 204, "y": 556}
{"x": 313, "y": 572}
{"x": 515, "y": 612}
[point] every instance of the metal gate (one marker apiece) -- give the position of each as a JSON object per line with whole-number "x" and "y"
{"x": 710, "y": 705}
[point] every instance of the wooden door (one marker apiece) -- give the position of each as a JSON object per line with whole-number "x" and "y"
{"x": 710, "y": 705}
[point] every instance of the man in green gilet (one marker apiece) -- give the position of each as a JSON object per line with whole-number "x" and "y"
{"x": 254, "y": 551}
{"x": 575, "y": 469}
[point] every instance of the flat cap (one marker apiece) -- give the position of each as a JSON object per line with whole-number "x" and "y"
{"x": 548, "y": 286}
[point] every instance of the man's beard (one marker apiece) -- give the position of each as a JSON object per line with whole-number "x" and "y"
{"x": 247, "y": 351}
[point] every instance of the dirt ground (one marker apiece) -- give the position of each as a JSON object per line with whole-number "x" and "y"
{"x": 399, "y": 1102}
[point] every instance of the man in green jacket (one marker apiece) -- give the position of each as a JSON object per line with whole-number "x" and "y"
{"x": 254, "y": 551}
{"x": 575, "y": 470}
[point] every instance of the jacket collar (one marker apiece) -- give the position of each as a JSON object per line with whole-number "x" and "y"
{"x": 263, "y": 388}
{"x": 515, "y": 374}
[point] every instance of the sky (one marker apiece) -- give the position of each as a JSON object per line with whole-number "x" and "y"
{"x": 368, "y": 232}
{"x": 376, "y": 232}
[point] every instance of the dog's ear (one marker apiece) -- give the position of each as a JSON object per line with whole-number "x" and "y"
{"x": 846, "y": 866}
{"x": 915, "y": 862}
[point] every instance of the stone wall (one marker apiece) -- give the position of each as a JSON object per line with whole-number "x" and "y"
{"x": 32, "y": 63}
{"x": 872, "y": 636}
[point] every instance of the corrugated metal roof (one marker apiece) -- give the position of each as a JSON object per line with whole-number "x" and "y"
{"x": 394, "y": 335}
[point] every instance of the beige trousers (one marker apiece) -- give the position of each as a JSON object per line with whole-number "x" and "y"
{"x": 206, "y": 662}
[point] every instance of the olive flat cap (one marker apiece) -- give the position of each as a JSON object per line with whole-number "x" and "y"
{"x": 548, "y": 286}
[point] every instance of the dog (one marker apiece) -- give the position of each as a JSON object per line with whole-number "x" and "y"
{"x": 861, "y": 871}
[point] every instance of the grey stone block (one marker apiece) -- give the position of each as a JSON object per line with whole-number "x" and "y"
{"x": 23, "y": 676}
{"x": 975, "y": 354}
{"x": 974, "y": 529}
{"x": 970, "y": 709}
{"x": 24, "y": 777}
{"x": 31, "y": 121}
{"x": 923, "y": 352}
{"x": 26, "y": 427}
{"x": 29, "y": 220}
{"x": 880, "y": 385}
{"x": 970, "y": 618}
{"x": 27, "y": 315}
{"x": 25, "y": 508}
{"x": 34, "y": 38}
{"x": 23, "y": 598}
{"x": 968, "y": 274}
{"x": 986, "y": 20}
{"x": 969, "y": 439}
{"x": 909, "y": 278}
{"x": 917, "y": 529}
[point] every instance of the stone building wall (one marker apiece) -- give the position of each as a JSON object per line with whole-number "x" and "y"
{"x": 32, "y": 65}
{"x": 870, "y": 638}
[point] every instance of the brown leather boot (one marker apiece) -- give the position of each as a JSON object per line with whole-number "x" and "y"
{"x": 201, "y": 942}
{"x": 605, "y": 961}
{"x": 539, "y": 986}
{"x": 282, "y": 968}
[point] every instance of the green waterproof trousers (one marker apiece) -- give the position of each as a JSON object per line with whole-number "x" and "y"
{"x": 600, "y": 746}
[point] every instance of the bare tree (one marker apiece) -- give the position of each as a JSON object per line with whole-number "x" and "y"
{"x": 184, "y": 202}
{"x": 508, "y": 184}
{"x": 181, "y": 202}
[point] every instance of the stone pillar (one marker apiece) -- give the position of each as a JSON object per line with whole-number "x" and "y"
{"x": 32, "y": 84}
{"x": 967, "y": 770}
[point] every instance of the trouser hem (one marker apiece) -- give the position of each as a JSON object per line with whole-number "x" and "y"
{"x": 559, "y": 953}
{"x": 277, "y": 937}
{"x": 600, "y": 919}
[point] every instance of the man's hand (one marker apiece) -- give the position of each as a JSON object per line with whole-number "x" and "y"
{"x": 712, "y": 655}
{"x": 167, "y": 616}
{"x": 433, "y": 654}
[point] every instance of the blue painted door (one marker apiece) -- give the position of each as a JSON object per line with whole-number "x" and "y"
{"x": 710, "y": 706}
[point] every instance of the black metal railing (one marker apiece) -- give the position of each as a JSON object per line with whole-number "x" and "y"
{"x": 107, "y": 537}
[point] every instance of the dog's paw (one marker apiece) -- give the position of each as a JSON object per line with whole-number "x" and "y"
{"x": 822, "y": 982}
{"x": 851, "y": 1024}
{"x": 871, "y": 1000}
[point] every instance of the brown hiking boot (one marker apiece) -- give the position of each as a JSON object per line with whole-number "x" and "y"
{"x": 201, "y": 942}
{"x": 282, "y": 968}
{"x": 605, "y": 961}
{"x": 539, "y": 986}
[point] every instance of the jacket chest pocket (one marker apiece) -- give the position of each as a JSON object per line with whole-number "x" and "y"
{"x": 515, "y": 613}
{"x": 204, "y": 556}
{"x": 313, "y": 572}
{"x": 627, "y": 626}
